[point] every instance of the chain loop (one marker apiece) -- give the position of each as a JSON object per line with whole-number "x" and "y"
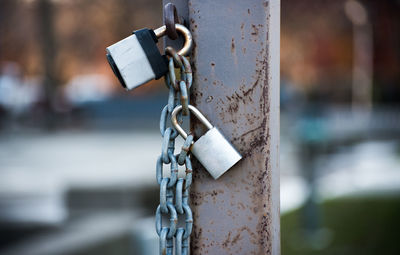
{"x": 185, "y": 150}
{"x": 159, "y": 170}
{"x": 170, "y": 246}
{"x": 173, "y": 220}
{"x": 174, "y": 170}
{"x": 163, "y": 122}
{"x": 186, "y": 77}
{"x": 168, "y": 145}
{"x": 188, "y": 72}
{"x": 188, "y": 221}
{"x": 189, "y": 175}
{"x": 178, "y": 195}
{"x": 184, "y": 98}
{"x": 163, "y": 195}
{"x": 185, "y": 246}
{"x": 178, "y": 241}
{"x": 163, "y": 241}
{"x": 175, "y": 57}
{"x": 171, "y": 74}
{"x": 172, "y": 99}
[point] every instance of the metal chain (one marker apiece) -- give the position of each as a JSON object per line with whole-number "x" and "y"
{"x": 174, "y": 191}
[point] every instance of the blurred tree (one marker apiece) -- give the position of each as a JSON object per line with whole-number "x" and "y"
{"x": 48, "y": 52}
{"x": 317, "y": 51}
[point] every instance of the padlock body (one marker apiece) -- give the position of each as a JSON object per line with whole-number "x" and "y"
{"x": 215, "y": 153}
{"x": 136, "y": 59}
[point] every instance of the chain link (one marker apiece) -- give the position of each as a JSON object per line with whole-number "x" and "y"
{"x": 174, "y": 191}
{"x": 185, "y": 150}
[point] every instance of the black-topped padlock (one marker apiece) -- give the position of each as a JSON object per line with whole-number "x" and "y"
{"x": 136, "y": 59}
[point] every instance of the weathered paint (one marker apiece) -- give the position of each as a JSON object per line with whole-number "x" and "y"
{"x": 235, "y": 61}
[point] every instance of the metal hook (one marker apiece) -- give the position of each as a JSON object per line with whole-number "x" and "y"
{"x": 170, "y": 19}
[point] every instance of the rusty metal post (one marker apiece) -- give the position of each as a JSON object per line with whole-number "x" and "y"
{"x": 236, "y": 86}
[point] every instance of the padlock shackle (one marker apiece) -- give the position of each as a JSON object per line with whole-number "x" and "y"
{"x": 196, "y": 113}
{"x": 161, "y": 31}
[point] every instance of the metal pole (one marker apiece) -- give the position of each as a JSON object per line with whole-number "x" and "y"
{"x": 236, "y": 86}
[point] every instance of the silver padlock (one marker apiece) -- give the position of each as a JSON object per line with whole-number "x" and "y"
{"x": 212, "y": 149}
{"x": 136, "y": 59}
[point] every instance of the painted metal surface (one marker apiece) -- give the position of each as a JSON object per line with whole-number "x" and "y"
{"x": 236, "y": 86}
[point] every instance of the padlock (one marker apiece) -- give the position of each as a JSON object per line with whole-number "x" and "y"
{"x": 212, "y": 149}
{"x": 136, "y": 59}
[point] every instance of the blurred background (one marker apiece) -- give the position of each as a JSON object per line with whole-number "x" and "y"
{"x": 71, "y": 181}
